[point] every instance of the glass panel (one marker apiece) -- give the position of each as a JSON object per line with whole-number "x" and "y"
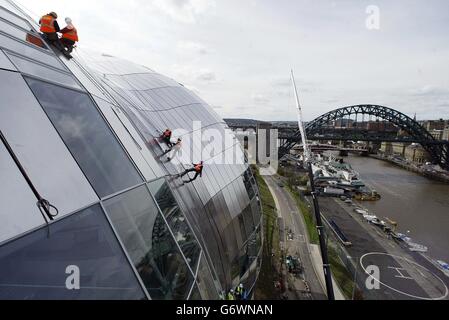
{"x": 38, "y": 70}
{"x": 248, "y": 185}
{"x": 39, "y": 265}
{"x": 88, "y": 137}
{"x": 5, "y": 63}
{"x": 81, "y": 76}
{"x": 22, "y": 35}
{"x": 150, "y": 245}
{"x": 40, "y": 149}
{"x": 14, "y": 19}
{"x": 134, "y": 147}
{"x": 195, "y": 295}
{"x": 176, "y": 220}
{"x": 19, "y": 212}
{"x": 205, "y": 281}
{"x": 29, "y": 51}
{"x": 248, "y": 219}
{"x": 257, "y": 214}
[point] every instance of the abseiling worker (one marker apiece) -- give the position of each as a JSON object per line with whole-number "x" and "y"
{"x": 197, "y": 168}
{"x": 50, "y": 27}
{"x": 69, "y": 35}
{"x": 166, "y": 137}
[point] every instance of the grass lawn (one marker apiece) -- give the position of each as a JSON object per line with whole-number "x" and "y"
{"x": 271, "y": 248}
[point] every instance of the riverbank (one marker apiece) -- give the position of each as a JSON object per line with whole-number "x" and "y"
{"x": 403, "y": 274}
{"x": 434, "y": 175}
{"x": 419, "y": 205}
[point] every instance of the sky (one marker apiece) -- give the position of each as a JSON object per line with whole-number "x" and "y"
{"x": 237, "y": 55}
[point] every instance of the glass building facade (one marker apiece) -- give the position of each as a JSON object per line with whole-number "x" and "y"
{"x": 85, "y": 132}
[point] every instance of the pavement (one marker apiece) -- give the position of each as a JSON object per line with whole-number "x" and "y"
{"x": 402, "y": 275}
{"x": 297, "y": 245}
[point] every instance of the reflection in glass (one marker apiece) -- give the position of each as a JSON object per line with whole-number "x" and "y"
{"x": 176, "y": 221}
{"x": 14, "y": 19}
{"x": 206, "y": 282}
{"x": 257, "y": 211}
{"x": 150, "y": 245}
{"x": 30, "y": 51}
{"x": 41, "y": 71}
{"x": 248, "y": 254}
{"x": 248, "y": 185}
{"x": 88, "y": 137}
{"x": 248, "y": 220}
{"x": 20, "y": 34}
{"x": 34, "y": 267}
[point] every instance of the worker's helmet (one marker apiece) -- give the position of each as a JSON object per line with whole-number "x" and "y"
{"x": 53, "y": 14}
{"x": 232, "y": 290}
{"x": 68, "y": 20}
{"x": 241, "y": 286}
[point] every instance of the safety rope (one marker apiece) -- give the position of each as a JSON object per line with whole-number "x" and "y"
{"x": 43, "y": 205}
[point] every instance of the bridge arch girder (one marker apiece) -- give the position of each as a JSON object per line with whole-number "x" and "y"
{"x": 419, "y": 134}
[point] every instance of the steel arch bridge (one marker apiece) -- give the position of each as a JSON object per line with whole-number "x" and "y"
{"x": 416, "y": 133}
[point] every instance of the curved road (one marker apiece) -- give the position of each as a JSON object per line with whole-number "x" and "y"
{"x": 293, "y": 219}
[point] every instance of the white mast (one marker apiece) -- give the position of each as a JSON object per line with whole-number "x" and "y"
{"x": 307, "y": 154}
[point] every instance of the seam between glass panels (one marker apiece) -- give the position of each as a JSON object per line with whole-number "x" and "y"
{"x": 171, "y": 232}
{"x": 116, "y": 138}
{"x": 125, "y": 252}
{"x": 44, "y": 225}
{"x": 212, "y": 223}
{"x": 32, "y": 32}
{"x": 34, "y": 47}
{"x": 204, "y": 250}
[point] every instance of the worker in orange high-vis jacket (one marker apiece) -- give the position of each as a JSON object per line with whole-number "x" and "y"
{"x": 197, "y": 168}
{"x": 69, "y": 35}
{"x": 166, "y": 137}
{"x": 50, "y": 28}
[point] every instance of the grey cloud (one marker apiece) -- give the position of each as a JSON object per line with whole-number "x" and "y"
{"x": 430, "y": 90}
{"x": 260, "y": 99}
{"x": 207, "y": 76}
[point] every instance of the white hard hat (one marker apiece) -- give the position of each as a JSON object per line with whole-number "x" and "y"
{"x": 68, "y": 20}
{"x": 241, "y": 285}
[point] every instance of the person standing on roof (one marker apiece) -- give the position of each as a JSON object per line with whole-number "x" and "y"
{"x": 240, "y": 292}
{"x": 166, "y": 137}
{"x": 197, "y": 168}
{"x": 69, "y": 35}
{"x": 230, "y": 295}
{"x": 50, "y": 28}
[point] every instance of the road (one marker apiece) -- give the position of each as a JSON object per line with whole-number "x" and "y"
{"x": 401, "y": 275}
{"x": 297, "y": 246}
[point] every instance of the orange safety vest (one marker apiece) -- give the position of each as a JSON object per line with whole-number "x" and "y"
{"x": 48, "y": 24}
{"x": 71, "y": 35}
{"x": 198, "y": 168}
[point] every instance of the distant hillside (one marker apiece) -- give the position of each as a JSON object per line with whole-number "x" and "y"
{"x": 243, "y": 122}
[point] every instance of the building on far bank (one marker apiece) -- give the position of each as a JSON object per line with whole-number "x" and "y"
{"x": 430, "y": 125}
{"x": 412, "y": 152}
{"x": 393, "y": 148}
{"x": 417, "y": 154}
{"x": 446, "y": 133}
{"x": 437, "y": 134}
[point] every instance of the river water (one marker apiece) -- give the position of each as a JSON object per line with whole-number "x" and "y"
{"x": 418, "y": 204}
